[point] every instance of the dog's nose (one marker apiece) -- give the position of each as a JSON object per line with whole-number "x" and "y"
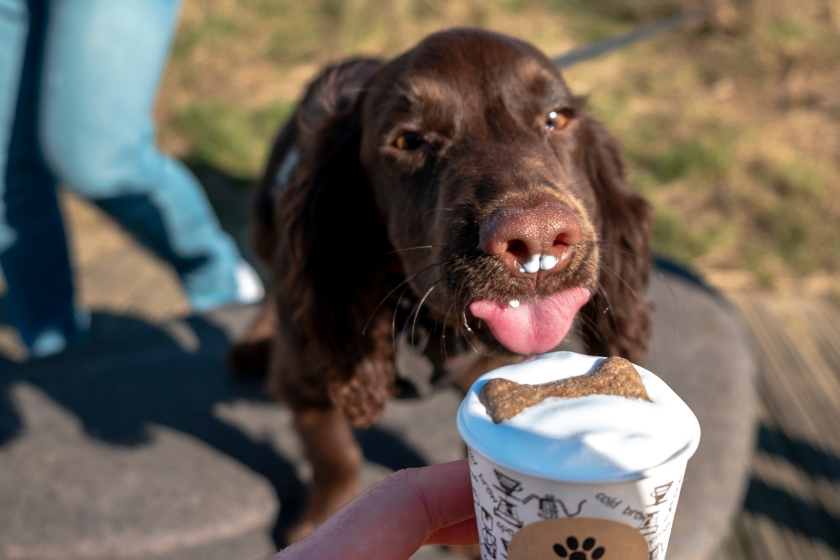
{"x": 530, "y": 239}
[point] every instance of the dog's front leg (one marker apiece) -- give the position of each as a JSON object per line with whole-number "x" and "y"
{"x": 336, "y": 460}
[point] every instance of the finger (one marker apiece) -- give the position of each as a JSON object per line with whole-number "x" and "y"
{"x": 464, "y": 532}
{"x": 394, "y": 518}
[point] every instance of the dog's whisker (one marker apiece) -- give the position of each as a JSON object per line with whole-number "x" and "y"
{"x": 396, "y": 307}
{"x": 394, "y": 322}
{"x": 460, "y": 326}
{"x": 607, "y": 269}
{"x": 470, "y": 343}
{"x": 590, "y": 324}
{"x": 432, "y": 277}
{"x": 617, "y": 249}
{"x": 464, "y": 316}
{"x": 443, "y": 333}
{"x": 603, "y": 291}
{"x": 410, "y": 249}
{"x": 427, "y": 212}
{"x": 409, "y": 279}
{"x": 417, "y": 311}
{"x": 646, "y": 263}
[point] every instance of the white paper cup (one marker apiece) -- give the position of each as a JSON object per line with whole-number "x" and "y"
{"x": 507, "y": 501}
{"x": 522, "y": 516}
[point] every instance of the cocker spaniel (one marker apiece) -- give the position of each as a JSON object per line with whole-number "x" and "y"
{"x": 465, "y": 178}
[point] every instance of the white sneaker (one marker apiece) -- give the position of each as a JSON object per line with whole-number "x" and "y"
{"x": 48, "y": 343}
{"x": 249, "y": 286}
{"x": 52, "y": 342}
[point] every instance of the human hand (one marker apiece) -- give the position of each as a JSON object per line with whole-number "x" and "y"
{"x": 392, "y": 519}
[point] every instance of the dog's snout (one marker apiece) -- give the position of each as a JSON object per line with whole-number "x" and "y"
{"x": 530, "y": 239}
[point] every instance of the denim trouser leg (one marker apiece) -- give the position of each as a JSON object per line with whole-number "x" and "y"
{"x": 14, "y": 25}
{"x": 76, "y": 96}
{"x": 102, "y": 64}
{"x": 33, "y": 250}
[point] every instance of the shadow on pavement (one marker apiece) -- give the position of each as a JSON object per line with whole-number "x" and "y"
{"x": 800, "y": 453}
{"x": 783, "y": 507}
{"x": 130, "y": 375}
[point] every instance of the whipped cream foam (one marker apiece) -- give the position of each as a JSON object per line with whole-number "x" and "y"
{"x": 586, "y": 439}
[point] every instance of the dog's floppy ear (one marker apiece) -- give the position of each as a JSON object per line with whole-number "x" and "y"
{"x": 330, "y": 260}
{"x": 617, "y": 321}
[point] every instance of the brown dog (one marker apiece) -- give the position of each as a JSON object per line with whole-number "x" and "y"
{"x": 463, "y": 174}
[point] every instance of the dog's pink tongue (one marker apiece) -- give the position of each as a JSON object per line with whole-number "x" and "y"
{"x": 532, "y": 328}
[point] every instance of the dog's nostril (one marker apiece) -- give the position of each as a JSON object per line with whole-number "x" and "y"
{"x": 518, "y": 248}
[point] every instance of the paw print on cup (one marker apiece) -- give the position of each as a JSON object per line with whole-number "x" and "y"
{"x": 578, "y": 538}
{"x": 574, "y": 554}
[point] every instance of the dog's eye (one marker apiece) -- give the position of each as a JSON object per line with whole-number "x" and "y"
{"x": 408, "y": 141}
{"x": 557, "y": 120}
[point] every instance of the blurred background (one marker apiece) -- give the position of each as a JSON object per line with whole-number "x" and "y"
{"x": 731, "y": 128}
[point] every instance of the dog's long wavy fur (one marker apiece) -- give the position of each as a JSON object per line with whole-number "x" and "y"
{"x": 328, "y": 252}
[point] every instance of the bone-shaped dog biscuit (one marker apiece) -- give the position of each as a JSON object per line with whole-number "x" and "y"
{"x": 504, "y": 398}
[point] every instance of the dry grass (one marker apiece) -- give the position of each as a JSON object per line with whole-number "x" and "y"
{"x": 732, "y": 127}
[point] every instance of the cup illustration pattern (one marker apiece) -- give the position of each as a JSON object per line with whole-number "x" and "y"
{"x": 596, "y": 521}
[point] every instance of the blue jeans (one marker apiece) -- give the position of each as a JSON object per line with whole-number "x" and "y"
{"x": 77, "y": 85}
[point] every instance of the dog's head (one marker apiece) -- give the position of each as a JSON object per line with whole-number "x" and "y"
{"x": 468, "y": 164}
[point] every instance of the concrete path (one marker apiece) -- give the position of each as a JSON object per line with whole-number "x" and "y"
{"x": 139, "y": 445}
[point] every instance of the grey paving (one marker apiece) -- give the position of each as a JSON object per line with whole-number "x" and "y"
{"x": 702, "y": 351}
{"x": 139, "y": 445}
